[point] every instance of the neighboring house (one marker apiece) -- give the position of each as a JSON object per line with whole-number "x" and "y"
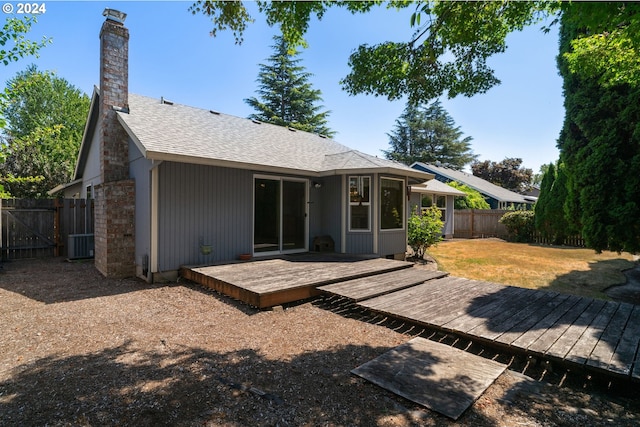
{"x": 496, "y": 196}
{"x": 176, "y": 185}
{"x": 436, "y": 193}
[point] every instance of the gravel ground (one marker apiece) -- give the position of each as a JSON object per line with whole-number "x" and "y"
{"x": 78, "y": 349}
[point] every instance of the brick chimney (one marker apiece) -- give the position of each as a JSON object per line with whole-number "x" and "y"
{"x": 115, "y": 196}
{"x": 114, "y": 92}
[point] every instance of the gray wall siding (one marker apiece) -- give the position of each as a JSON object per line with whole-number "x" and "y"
{"x": 392, "y": 242}
{"x": 360, "y": 243}
{"x": 205, "y": 203}
{"x": 91, "y": 173}
{"x": 330, "y": 213}
{"x": 139, "y": 170}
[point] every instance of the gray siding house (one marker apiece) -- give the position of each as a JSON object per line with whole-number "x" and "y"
{"x": 208, "y": 187}
{"x": 496, "y": 196}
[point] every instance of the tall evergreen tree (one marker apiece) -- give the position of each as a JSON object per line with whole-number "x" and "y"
{"x": 429, "y": 134}
{"x": 600, "y": 146}
{"x": 286, "y": 96}
{"x": 550, "y": 218}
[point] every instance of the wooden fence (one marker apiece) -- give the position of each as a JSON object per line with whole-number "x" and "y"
{"x": 35, "y": 228}
{"x": 478, "y": 223}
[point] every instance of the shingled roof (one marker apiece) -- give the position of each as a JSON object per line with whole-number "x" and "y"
{"x": 179, "y": 133}
{"x": 484, "y": 187}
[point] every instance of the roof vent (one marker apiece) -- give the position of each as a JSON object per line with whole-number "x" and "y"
{"x": 258, "y": 122}
{"x": 217, "y": 113}
{"x": 165, "y": 101}
{"x": 321, "y": 135}
{"x": 292, "y": 129}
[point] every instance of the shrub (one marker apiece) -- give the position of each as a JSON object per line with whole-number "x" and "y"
{"x": 520, "y": 225}
{"x": 424, "y": 230}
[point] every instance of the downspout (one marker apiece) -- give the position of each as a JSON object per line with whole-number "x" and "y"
{"x": 344, "y": 201}
{"x": 153, "y": 223}
{"x": 375, "y": 214}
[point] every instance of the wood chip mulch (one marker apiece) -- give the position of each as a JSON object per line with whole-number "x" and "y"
{"x": 77, "y": 349}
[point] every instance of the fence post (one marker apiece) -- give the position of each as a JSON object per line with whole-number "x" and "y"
{"x": 472, "y": 222}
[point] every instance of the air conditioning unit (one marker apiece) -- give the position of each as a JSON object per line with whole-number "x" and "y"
{"x": 80, "y": 246}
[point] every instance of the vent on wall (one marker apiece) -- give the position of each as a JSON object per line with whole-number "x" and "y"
{"x": 80, "y": 246}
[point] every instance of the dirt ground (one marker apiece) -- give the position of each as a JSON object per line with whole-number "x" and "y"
{"x": 80, "y": 350}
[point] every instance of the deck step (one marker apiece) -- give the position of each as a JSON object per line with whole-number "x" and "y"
{"x": 381, "y": 284}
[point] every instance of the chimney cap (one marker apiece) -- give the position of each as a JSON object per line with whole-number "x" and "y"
{"x": 114, "y": 15}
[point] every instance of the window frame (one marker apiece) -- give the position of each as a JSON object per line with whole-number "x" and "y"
{"x": 403, "y": 205}
{"x": 359, "y": 191}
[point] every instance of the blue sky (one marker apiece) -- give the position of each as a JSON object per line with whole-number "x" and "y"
{"x": 171, "y": 54}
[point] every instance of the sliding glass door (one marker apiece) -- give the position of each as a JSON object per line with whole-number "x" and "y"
{"x": 280, "y": 215}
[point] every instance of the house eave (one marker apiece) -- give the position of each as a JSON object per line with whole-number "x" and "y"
{"x": 160, "y": 156}
{"x": 423, "y": 176}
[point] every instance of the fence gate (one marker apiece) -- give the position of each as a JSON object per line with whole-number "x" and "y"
{"x": 36, "y": 228}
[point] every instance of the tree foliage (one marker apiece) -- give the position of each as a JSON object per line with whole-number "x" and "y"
{"x": 607, "y": 47}
{"x": 472, "y": 200}
{"x": 428, "y": 134}
{"x": 446, "y": 55}
{"x": 520, "y": 225}
{"x": 550, "y": 218}
{"x": 44, "y": 122}
{"x": 452, "y": 41}
{"x": 424, "y": 229}
{"x": 508, "y": 173}
{"x": 286, "y": 96}
{"x": 14, "y": 43}
{"x": 600, "y": 147}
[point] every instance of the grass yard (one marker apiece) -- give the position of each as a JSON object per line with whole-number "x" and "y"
{"x": 562, "y": 269}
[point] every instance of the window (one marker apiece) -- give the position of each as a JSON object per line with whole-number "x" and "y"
{"x": 391, "y": 204}
{"x": 359, "y": 202}
{"x": 440, "y": 203}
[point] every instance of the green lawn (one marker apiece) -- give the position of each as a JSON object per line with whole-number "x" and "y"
{"x": 562, "y": 269}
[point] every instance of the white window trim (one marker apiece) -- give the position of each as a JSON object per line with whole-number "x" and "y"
{"x": 368, "y": 204}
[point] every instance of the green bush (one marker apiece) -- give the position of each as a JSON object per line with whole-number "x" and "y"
{"x": 520, "y": 225}
{"x": 424, "y": 230}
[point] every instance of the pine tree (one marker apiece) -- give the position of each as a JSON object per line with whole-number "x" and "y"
{"x": 286, "y": 98}
{"x": 428, "y": 134}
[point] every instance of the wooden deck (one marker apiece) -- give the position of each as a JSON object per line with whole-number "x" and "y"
{"x": 597, "y": 335}
{"x": 271, "y": 282}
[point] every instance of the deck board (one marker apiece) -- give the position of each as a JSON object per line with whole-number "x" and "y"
{"x": 624, "y": 356}
{"x": 439, "y": 377}
{"x": 483, "y": 310}
{"x": 592, "y": 334}
{"x": 551, "y": 335}
{"x": 381, "y": 284}
{"x": 509, "y": 316}
{"x": 265, "y": 283}
{"x": 564, "y": 343}
{"x": 529, "y": 337}
{"x": 581, "y": 351}
{"x": 604, "y": 350}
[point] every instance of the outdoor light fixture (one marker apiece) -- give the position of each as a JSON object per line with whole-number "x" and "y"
{"x": 316, "y": 184}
